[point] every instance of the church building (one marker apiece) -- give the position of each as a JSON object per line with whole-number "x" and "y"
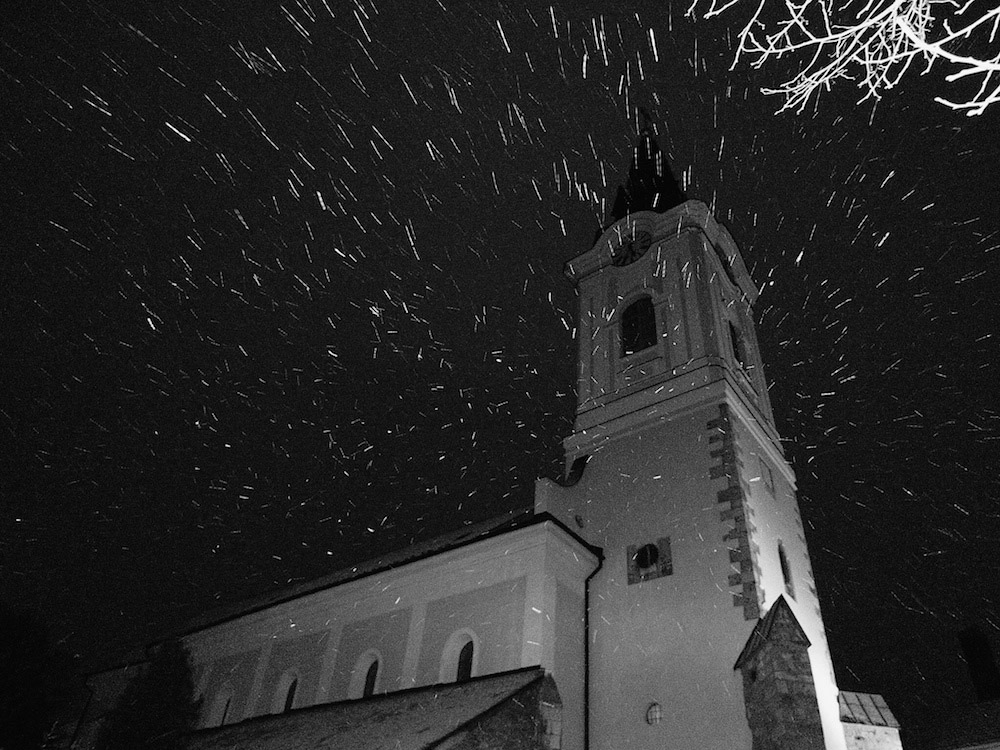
{"x": 659, "y": 595}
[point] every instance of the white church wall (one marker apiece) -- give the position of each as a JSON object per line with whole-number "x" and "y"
{"x": 387, "y": 632}
{"x": 865, "y": 737}
{"x": 674, "y": 639}
{"x": 773, "y": 518}
{"x": 568, "y": 666}
{"x": 233, "y": 674}
{"x": 768, "y": 482}
{"x": 493, "y": 613}
{"x": 494, "y": 588}
{"x": 301, "y": 654}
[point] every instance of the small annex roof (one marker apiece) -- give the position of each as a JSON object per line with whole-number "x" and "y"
{"x": 779, "y": 616}
{"x": 865, "y": 708}
{"x": 406, "y": 720}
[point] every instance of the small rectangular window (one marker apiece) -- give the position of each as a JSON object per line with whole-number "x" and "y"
{"x": 766, "y": 475}
{"x": 786, "y": 570}
{"x": 739, "y": 349}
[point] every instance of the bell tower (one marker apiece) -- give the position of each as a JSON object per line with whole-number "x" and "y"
{"x": 686, "y": 487}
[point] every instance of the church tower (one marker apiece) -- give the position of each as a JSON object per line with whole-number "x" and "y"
{"x": 676, "y": 470}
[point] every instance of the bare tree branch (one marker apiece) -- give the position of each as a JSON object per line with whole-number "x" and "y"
{"x": 873, "y": 42}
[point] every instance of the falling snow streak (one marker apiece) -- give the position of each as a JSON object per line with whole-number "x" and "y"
{"x": 282, "y": 285}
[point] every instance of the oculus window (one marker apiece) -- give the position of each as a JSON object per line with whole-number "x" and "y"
{"x": 650, "y": 560}
{"x": 638, "y": 326}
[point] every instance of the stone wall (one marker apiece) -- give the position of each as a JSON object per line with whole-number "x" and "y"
{"x": 778, "y": 686}
{"x": 864, "y": 737}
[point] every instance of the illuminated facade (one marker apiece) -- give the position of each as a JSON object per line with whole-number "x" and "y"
{"x": 663, "y": 583}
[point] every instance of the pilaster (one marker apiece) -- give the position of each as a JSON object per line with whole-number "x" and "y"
{"x": 414, "y": 637}
{"x": 258, "y": 678}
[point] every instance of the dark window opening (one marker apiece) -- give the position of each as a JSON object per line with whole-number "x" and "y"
{"x": 647, "y": 556}
{"x": 767, "y": 475}
{"x": 786, "y": 571}
{"x": 370, "y": 678}
{"x": 290, "y": 695}
{"x": 648, "y": 561}
{"x": 736, "y": 338}
{"x": 464, "y": 671}
{"x": 638, "y": 326}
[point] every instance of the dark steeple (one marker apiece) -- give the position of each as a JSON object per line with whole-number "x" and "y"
{"x": 651, "y": 185}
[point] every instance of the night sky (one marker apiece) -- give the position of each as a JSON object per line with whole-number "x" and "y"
{"x": 281, "y": 288}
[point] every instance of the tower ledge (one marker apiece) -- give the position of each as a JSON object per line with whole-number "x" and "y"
{"x": 692, "y": 214}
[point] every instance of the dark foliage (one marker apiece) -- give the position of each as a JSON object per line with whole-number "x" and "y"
{"x": 36, "y": 681}
{"x": 158, "y": 707}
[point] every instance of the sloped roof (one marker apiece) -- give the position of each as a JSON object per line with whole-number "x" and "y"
{"x": 780, "y": 614}
{"x": 116, "y": 657}
{"x": 650, "y": 186}
{"x": 865, "y": 708}
{"x": 406, "y": 720}
{"x": 448, "y": 540}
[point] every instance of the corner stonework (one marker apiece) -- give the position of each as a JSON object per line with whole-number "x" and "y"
{"x": 734, "y": 510}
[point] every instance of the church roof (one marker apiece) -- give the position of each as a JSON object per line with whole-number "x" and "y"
{"x": 865, "y": 708}
{"x": 779, "y": 621}
{"x": 650, "y": 186}
{"x": 405, "y": 720}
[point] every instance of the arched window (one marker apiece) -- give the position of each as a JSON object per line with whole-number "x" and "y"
{"x": 638, "y": 326}
{"x": 221, "y": 707}
{"x": 284, "y": 696}
{"x": 370, "y": 676}
{"x": 366, "y": 675}
{"x": 464, "y": 670}
{"x": 290, "y": 695}
{"x": 460, "y": 659}
{"x": 786, "y": 571}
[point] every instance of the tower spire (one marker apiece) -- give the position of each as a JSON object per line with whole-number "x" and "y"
{"x": 651, "y": 185}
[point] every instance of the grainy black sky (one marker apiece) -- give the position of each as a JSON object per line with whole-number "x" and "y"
{"x": 281, "y": 288}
